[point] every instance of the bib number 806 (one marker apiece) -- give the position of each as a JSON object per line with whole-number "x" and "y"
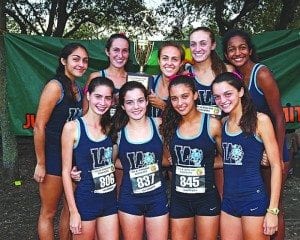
{"x": 107, "y": 180}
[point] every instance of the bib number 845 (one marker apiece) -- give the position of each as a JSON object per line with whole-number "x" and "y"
{"x": 189, "y": 181}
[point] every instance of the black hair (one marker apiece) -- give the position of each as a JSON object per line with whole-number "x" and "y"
{"x": 240, "y": 33}
{"x": 60, "y": 71}
{"x": 248, "y": 121}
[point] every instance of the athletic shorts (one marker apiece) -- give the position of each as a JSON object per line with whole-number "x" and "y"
{"x": 150, "y": 206}
{"x": 208, "y": 204}
{"x": 244, "y": 207}
{"x": 93, "y": 205}
{"x": 53, "y": 159}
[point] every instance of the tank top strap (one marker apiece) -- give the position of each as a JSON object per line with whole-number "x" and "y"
{"x": 155, "y": 127}
{"x": 253, "y": 76}
{"x": 102, "y": 73}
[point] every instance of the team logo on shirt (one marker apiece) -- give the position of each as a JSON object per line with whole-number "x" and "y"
{"x": 233, "y": 153}
{"x": 187, "y": 156}
{"x": 101, "y": 156}
{"x": 205, "y": 97}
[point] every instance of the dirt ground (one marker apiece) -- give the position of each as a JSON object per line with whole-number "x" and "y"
{"x": 19, "y": 205}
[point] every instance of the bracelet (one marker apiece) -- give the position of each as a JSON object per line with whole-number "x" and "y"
{"x": 273, "y": 211}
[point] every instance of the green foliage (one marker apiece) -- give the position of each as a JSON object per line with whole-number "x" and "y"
{"x": 72, "y": 19}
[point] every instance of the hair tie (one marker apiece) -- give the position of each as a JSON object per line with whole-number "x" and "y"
{"x": 238, "y": 74}
{"x": 184, "y": 74}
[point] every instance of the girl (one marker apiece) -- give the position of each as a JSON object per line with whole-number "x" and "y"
{"x": 191, "y": 137}
{"x": 246, "y": 211}
{"x": 142, "y": 197}
{"x": 93, "y": 206}
{"x": 60, "y": 101}
{"x": 170, "y": 59}
{"x": 240, "y": 52}
{"x": 207, "y": 65}
{"x": 117, "y": 50}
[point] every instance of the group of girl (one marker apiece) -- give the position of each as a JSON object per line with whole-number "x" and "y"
{"x": 160, "y": 127}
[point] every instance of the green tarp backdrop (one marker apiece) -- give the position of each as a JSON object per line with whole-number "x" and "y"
{"x": 32, "y": 60}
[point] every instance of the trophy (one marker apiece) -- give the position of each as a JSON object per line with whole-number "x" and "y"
{"x": 142, "y": 51}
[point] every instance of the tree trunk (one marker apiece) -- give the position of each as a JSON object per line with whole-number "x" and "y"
{"x": 287, "y": 14}
{"x": 9, "y": 146}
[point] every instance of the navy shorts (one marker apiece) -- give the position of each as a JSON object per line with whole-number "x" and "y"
{"x": 207, "y": 204}
{"x": 93, "y": 205}
{"x": 53, "y": 159}
{"x": 150, "y": 206}
{"x": 239, "y": 207}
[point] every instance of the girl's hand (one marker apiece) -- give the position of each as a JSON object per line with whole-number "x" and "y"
{"x": 270, "y": 224}
{"x": 156, "y": 101}
{"x": 39, "y": 173}
{"x": 75, "y": 223}
{"x": 265, "y": 161}
{"x": 75, "y": 174}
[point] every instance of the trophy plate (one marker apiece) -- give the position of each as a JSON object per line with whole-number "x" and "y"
{"x": 140, "y": 77}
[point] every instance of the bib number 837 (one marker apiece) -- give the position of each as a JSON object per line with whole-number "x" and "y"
{"x": 145, "y": 181}
{"x": 189, "y": 181}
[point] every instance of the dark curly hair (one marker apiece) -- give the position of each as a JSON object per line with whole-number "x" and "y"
{"x": 170, "y": 117}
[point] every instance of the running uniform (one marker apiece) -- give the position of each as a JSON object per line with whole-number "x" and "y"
{"x": 66, "y": 109}
{"x": 193, "y": 190}
{"x": 143, "y": 190}
{"x": 261, "y": 103}
{"x": 204, "y": 91}
{"x": 244, "y": 190}
{"x": 95, "y": 194}
{"x": 154, "y": 111}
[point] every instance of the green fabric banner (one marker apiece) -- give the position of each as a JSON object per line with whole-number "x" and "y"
{"x": 32, "y": 61}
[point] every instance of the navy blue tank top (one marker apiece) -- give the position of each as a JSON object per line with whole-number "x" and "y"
{"x": 91, "y": 155}
{"x": 154, "y": 111}
{"x": 140, "y": 158}
{"x": 193, "y": 162}
{"x": 242, "y": 155}
{"x": 65, "y": 110}
{"x": 261, "y": 103}
{"x": 204, "y": 91}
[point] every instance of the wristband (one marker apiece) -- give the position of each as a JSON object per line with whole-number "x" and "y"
{"x": 273, "y": 211}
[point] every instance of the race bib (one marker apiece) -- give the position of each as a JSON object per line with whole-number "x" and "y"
{"x": 209, "y": 109}
{"x": 190, "y": 179}
{"x": 145, "y": 179}
{"x": 104, "y": 179}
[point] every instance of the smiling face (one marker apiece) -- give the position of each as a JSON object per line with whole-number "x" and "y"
{"x": 100, "y": 100}
{"x": 201, "y": 45}
{"x": 182, "y": 98}
{"x": 118, "y": 53}
{"x": 226, "y": 96}
{"x": 135, "y": 104}
{"x": 76, "y": 63}
{"x": 238, "y": 52}
{"x": 170, "y": 61}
